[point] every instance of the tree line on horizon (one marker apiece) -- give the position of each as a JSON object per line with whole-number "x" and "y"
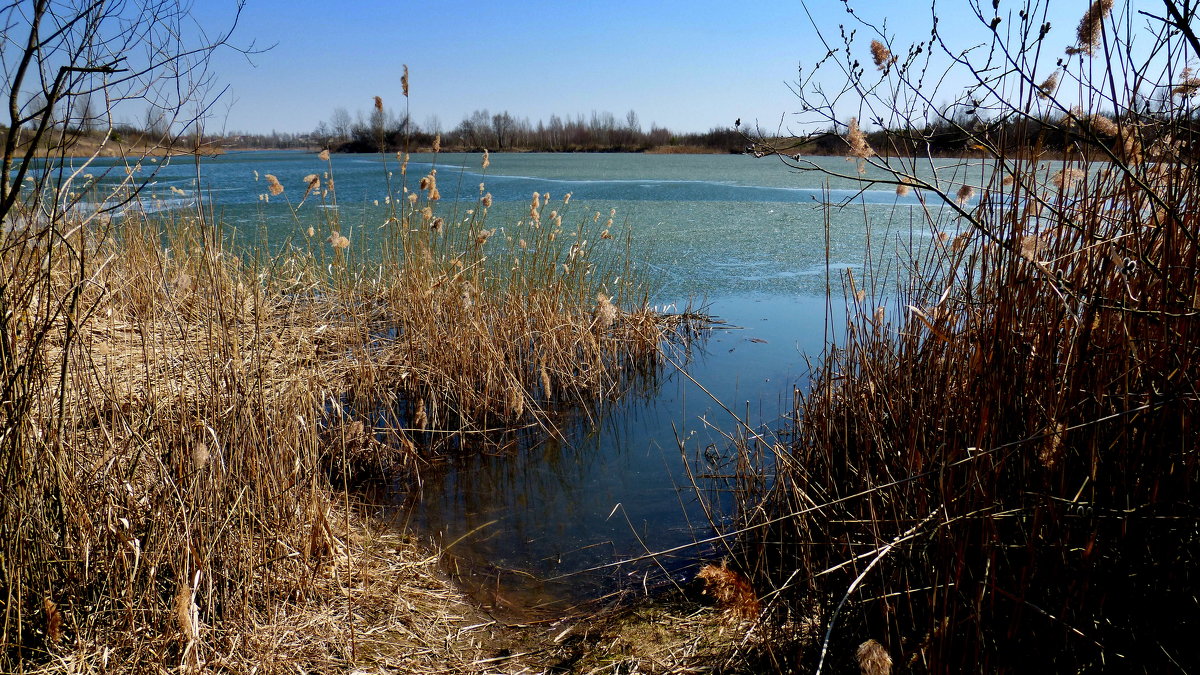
{"x": 952, "y": 132}
{"x": 383, "y": 129}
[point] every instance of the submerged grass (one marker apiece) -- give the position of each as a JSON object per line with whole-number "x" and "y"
{"x": 180, "y": 419}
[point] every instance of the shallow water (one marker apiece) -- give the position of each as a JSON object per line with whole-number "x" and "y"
{"x": 745, "y": 238}
{"x": 543, "y": 527}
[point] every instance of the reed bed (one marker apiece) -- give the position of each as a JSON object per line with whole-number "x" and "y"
{"x": 183, "y": 420}
{"x": 995, "y": 469}
{"x": 543, "y": 314}
{"x": 1004, "y": 475}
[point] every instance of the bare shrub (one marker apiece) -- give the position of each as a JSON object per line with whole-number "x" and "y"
{"x": 1000, "y": 473}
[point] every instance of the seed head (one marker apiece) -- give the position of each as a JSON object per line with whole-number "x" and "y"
{"x": 54, "y": 620}
{"x": 858, "y": 141}
{"x": 323, "y": 155}
{"x": 437, "y": 143}
{"x": 1065, "y": 178}
{"x": 273, "y": 185}
{"x": 186, "y": 612}
{"x": 1188, "y": 85}
{"x": 1103, "y": 125}
{"x": 429, "y": 183}
{"x": 312, "y": 182}
{"x": 730, "y": 589}
{"x": 378, "y": 104}
{"x": 965, "y": 193}
{"x": 1030, "y": 246}
{"x": 1091, "y": 28}
{"x": 873, "y": 659}
{"x": 421, "y": 418}
{"x": 881, "y": 55}
{"x": 487, "y": 200}
{"x": 404, "y": 81}
{"x": 486, "y": 160}
{"x": 606, "y": 312}
{"x": 1046, "y": 89}
{"x": 902, "y": 189}
{"x": 1131, "y": 145}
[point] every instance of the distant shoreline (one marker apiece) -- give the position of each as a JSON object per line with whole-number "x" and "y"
{"x": 86, "y": 148}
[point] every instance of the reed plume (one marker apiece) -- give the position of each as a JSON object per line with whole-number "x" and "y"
{"x": 730, "y": 590}
{"x": 1091, "y": 28}
{"x": 873, "y": 659}
{"x": 1047, "y": 88}
{"x": 1188, "y": 84}
{"x": 881, "y": 55}
{"x": 857, "y": 141}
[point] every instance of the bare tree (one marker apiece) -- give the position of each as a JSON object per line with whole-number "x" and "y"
{"x": 632, "y": 123}
{"x": 502, "y": 127}
{"x": 88, "y": 117}
{"x": 341, "y": 123}
{"x": 137, "y": 53}
{"x": 68, "y": 64}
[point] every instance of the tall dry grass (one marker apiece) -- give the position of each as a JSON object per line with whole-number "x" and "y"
{"x": 181, "y": 417}
{"x": 996, "y": 468}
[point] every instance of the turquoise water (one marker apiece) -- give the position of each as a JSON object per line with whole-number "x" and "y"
{"x": 704, "y": 225}
{"x": 746, "y": 238}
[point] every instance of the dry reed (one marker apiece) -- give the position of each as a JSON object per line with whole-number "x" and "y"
{"x": 179, "y": 419}
{"x": 1000, "y": 473}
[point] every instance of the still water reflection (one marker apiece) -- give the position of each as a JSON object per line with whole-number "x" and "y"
{"x": 541, "y": 528}
{"x": 748, "y": 238}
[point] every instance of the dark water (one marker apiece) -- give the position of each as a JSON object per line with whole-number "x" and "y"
{"x": 543, "y": 527}
{"x": 745, "y": 238}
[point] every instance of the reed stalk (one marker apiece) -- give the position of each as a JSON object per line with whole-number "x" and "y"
{"x": 183, "y": 419}
{"x": 1031, "y": 379}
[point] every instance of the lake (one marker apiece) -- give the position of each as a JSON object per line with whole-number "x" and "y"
{"x": 745, "y": 239}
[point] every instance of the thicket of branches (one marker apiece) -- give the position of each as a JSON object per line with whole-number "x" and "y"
{"x": 996, "y": 469}
{"x": 385, "y": 129}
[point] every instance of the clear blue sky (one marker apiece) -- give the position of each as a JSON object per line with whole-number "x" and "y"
{"x": 687, "y": 65}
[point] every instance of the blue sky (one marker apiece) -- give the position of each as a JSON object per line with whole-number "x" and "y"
{"x": 687, "y": 65}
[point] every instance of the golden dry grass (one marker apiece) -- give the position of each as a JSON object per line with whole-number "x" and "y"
{"x": 181, "y": 423}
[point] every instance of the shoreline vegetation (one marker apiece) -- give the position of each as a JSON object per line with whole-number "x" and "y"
{"x": 958, "y": 134}
{"x": 190, "y": 422}
{"x": 994, "y": 470}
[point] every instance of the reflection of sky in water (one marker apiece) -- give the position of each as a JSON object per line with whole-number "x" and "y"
{"x": 614, "y": 494}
